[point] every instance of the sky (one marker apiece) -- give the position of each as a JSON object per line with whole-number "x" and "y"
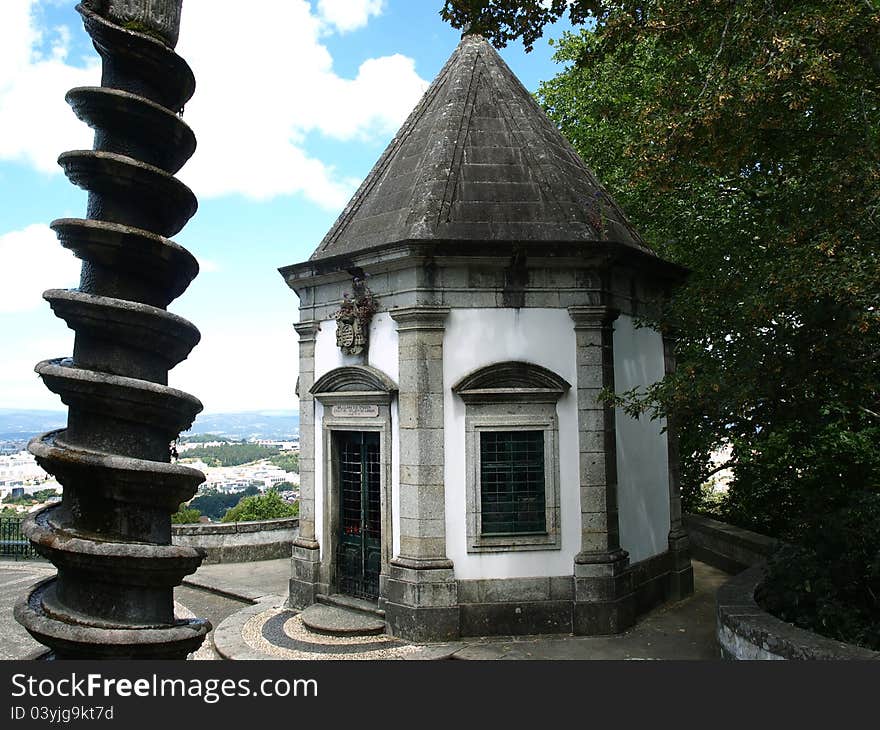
{"x": 295, "y": 101}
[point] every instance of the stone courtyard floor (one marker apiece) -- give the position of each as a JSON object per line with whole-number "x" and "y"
{"x": 244, "y": 601}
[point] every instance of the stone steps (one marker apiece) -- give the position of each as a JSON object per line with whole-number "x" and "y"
{"x": 334, "y": 620}
{"x": 350, "y": 602}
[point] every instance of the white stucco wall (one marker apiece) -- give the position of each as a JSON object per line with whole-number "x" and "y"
{"x": 381, "y": 355}
{"x": 479, "y": 337}
{"x": 642, "y": 458}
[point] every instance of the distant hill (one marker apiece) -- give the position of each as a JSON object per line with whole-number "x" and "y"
{"x": 249, "y": 424}
{"x": 18, "y": 424}
{"x": 23, "y": 424}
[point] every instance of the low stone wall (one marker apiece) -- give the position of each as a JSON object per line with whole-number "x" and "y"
{"x": 746, "y": 631}
{"x": 240, "y": 542}
{"x": 728, "y": 548}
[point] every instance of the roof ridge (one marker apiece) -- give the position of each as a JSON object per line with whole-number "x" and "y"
{"x": 478, "y": 160}
{"x": 373, "y": 178}
{"x": 458, "y": 151}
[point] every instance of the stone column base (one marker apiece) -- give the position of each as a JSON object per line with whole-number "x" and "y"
{"x": 305, "y": 574}
{"x": 604, "y": 598}
{"x": 681, "y": 579}
{"x": 421, "y": 600}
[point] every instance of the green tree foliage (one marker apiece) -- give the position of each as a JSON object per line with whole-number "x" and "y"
{"x": 268, "y": 506}
{"x": 287, "y": 460}
{"x": 36, "y": 498}
{"x": 506, "y": 20}
{"x": 185, "y": 516}
{"x": 213, "y": 504}
{"x": 202, "y": 438}
{"x": 230, "y": 454}
{"x": 742, "y": 139}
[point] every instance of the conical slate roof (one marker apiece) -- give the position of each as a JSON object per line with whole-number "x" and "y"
{"x": 478, "y": 160}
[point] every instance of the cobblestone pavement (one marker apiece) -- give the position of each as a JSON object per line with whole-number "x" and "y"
{"x": 16, "y": 576}
{"x": 682, "y": 630}
{"x": 211, "y": 606}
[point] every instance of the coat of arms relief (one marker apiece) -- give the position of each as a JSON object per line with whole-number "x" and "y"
{"x": 353, "y": 318}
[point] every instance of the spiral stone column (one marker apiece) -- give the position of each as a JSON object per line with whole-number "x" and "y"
{"x": 110, "y": 537}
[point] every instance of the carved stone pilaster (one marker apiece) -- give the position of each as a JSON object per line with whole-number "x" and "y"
{"x": 420, "y": 590}
{"x": 604, "y": 599}
{"x": 306, "y": 559}
{"x": 681, "y": 582}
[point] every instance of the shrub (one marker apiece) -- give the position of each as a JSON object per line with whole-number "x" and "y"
{"x": 268, "y": 506}
{"x": 185, "y": 515}
{"x": 832, "y": 585}
{"x": 214, "y": 504}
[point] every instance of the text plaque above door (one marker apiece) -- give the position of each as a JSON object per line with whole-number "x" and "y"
{"x": 354, "y": 410}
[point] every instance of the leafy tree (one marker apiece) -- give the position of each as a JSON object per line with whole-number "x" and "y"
{"x": 287, "y": 460}
{"x": 202, "y": 438}
{"x": 230, "y": 454}
{"x": 505, "y": 20}
{"x": 213, "y": 504}
{"x": 268, "y": 506}
{"x": 36, "y": 498}
{"x": 185, "y": 516}
{"x": 741, "y": 139}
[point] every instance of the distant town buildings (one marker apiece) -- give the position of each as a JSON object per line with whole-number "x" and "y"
{"x": 21, "y": 476}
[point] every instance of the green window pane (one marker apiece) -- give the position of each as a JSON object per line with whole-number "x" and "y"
{"x": 512, "y": 481}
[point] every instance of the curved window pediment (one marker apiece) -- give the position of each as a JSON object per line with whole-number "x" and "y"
{"x": 511, "y": 381}
{"x": 354, "y": 379}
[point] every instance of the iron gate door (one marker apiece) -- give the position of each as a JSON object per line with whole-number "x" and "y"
{"x": 359, "y": 554}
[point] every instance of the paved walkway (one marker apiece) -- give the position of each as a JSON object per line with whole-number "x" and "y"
{"x": 682, "y": 630}
{"x": 16, "y": 576}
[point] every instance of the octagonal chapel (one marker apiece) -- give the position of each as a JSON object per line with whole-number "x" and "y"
{"x": 460, "y": 473}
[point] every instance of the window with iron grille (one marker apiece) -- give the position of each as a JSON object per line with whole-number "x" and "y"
{"x": 511, "y": 457}
{"x": 512, "y": 485}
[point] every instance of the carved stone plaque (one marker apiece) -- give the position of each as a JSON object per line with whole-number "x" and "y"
{"x": 354, "y": 411}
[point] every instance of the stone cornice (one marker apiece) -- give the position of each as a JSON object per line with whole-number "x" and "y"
{"x": 307, "y": 330}
{"x": 427, "y": 317}
{"x": 593, "y": 316}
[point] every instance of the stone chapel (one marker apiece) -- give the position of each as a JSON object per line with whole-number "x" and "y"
{"x": 458, "y": 323}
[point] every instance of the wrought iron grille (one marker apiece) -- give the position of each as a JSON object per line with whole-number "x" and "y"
{"x": 13, "y": 544}
{"x": 512, "y": 482}
{"x": 359, "y": 553}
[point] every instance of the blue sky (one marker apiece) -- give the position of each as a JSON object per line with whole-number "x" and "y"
{"x": 295, "y": 102}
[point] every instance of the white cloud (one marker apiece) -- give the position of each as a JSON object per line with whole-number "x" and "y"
{"x": 265, "y": 81}
{"x": 346, "y": 15}
{"x": 208, "y": 266}
{"x": 21, "y": 386}
{"x": 37, "y": 124}
{"x": 241, "y": 366}
{"x": 33, "y": 261}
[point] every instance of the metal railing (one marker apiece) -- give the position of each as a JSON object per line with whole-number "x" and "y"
{"x": 13, "y": 544}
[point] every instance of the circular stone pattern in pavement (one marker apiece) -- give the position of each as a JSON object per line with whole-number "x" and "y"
{"x": 281, "y": 633}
